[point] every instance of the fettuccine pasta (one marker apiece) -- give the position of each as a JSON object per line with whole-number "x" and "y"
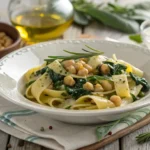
{"x": 85, "y": 81}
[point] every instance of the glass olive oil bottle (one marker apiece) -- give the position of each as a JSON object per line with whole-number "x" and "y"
{"x": 41, "y": 20}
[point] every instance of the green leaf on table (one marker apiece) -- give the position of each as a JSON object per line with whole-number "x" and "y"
{"x": 144, "y": 5}
{"x": 113, "y": 20}
{"x": 103, "y": 130}
{"x": 80, "y": 18}
{"x": 140, "y": 15}
{"x": 142, "y": 138}
{"x": 136, "y": 38}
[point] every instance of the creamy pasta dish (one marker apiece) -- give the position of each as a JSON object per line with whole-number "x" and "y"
{"x": 85, "y": 81}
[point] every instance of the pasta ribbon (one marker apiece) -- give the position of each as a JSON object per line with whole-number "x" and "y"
{"x": 28, "y": 93}
{"x": 39, "y": 86}
{"x": 100, "y": 102}
{"x": 54, "y": 93}
{"x": 121, "y": 85}
{"x": 29, "y": 75}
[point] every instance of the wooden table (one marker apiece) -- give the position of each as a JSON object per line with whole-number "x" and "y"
{"x": 126, "y": 143}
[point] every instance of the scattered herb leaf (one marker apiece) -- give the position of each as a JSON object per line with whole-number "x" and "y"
{"x": 42, "y": 129}
{"x": 88, "y": 53}
{"x": 142, "y": 138}
{"x": 136, "y": 38}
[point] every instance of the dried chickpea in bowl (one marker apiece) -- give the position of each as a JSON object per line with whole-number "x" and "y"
{"x": 9, "y": 39}
{"x": 5, "y": 40}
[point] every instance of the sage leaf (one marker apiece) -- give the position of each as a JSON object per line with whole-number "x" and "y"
{"x": 136, "y": 38}
{"x": 113, "y": 20}
{"x": 80, "y": 18}
{"x": 103, "y": 130}
{"x": 144, "y": 5}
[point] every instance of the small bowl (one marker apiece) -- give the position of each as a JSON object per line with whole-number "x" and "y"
{"x": 14, "y": 34}
{"x": 145, "y": 32}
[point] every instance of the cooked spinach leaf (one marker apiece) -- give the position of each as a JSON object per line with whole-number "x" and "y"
{"x": 42, "y": 71}
{"x": 134, "y": 97}
{"x": 141, "y": 81}
{"x": 98, "y": 78}
{"x": 57, "y": 85}
{"x": 77, "y": 90}
{"x": 54, "y": 76}
{"x": 115, "y": 69}
{"x": 29, "y": 83}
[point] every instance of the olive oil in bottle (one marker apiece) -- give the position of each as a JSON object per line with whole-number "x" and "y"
{"x": 37, "y": 26}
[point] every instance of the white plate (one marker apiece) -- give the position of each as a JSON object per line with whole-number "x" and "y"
{"x": 14, "y": 65}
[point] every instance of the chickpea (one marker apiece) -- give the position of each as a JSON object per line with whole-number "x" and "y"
{"x": 107, "y": 86}
{"x": 78, "y": 66}
{"x": 68, "y": 63}
{"x": 104, "y": 68}
{"x": 98, "y": 88}
{"x": 116, "y": 100}
{"x": 8, "y": 42}
{"x": 84, "y": 59}
{"x": 82, "y": 62}
{"x": 71, "y": 69}
{"x": 68, "y": 80}
{"x": 2, "y": 41}
{"x": 2, "y": 34}
{"x": 88, "y": 67}
{"x": 83, "y": 72}
{"x": 88, "y": 86}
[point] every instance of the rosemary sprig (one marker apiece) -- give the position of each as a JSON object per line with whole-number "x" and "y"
{"x": 142, "y": 138}
{"x": 89, "y": 53}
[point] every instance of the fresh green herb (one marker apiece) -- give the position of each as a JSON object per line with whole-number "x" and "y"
{"x": 136, "y": 38}
{"x": 123, "y": 18}
{"x": 143, "y": 5}
{"x": 42, "y": 129}
{"x": 142, "y": 138}
{"x": 116, "y": 69}
{"x": 112, "y": 15}
{"x": 88, "y": 53}
{"x": 114, "y": 20}
{"x": 42, "y": 71}
{"x": 141, "y": 81}
{"x": 29, "y": 83}
{"x": 54, "y": 76}
{"x": 77, "y": 90}
{"x": 134, "y": 97}
{"x": 103, "y": 130}
{"x": 81, "y": 19}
